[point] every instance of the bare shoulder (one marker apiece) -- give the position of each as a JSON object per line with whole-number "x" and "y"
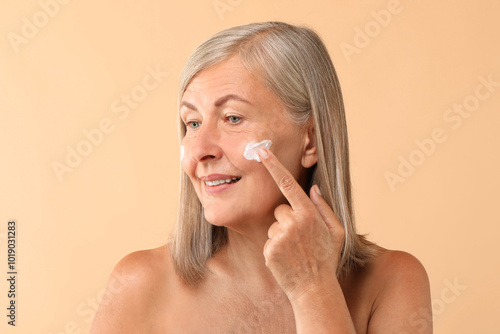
{"x": 394, "y": 265}
{"x": 402, "y": 302}
{"x": 137, "y": 281}
{"x": 144, "y": 266}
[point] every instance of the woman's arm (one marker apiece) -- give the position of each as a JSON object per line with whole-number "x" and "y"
{"x": 301, "y": 251}
{"x": 402, "y": 304}
{"x": 322, "y": 309}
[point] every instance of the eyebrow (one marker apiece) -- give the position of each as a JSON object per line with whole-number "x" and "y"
{"x": 220, "y": 101}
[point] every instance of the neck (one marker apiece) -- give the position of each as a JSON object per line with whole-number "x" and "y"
{"x": 244, "y": 257}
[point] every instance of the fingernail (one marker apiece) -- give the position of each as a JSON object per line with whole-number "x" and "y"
{"x": 316, "y": 188}
{"x": 263, "y": 153}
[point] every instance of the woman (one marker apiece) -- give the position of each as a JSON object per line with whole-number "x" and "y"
{"x": 269, "y": 246}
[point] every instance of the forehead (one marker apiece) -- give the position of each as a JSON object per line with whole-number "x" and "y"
{"x": 229, "y": 71}
{"x": 227, "y": 77}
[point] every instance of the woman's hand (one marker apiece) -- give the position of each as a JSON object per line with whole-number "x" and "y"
{"x": 305, "y": 242}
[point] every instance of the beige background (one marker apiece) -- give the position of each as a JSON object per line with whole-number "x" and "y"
{"x": 69, "y": 74}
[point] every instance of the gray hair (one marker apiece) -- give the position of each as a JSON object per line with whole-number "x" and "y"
{"x": 293, "y": 63}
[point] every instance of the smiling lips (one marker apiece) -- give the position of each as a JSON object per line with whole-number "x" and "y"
{"x": 218, "y": 181}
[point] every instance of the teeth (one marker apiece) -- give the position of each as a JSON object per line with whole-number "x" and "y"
{"x": 217, "y": 182}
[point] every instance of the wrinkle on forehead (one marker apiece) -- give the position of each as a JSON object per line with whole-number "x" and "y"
{"x": 229, "y": 76}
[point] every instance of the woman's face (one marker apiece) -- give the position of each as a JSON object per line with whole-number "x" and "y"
{"x": 224, "y": 108}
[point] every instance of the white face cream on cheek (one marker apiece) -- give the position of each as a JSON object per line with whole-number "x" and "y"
{"x": 182, "y": 152}
{"x": 252, "y": 148}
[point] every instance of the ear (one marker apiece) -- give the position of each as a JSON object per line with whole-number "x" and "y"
{"x": 309, "y": 154}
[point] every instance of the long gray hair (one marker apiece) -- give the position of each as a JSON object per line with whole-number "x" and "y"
{"x": 293, "y": 63}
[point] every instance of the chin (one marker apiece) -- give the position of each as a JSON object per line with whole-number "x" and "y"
{"x": 218, "y": 218}
{"x": 237, "y": 222}
{"x": 229, "y": 219}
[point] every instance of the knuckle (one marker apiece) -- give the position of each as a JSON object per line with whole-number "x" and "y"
{"x": 266, "y": 248}
{"x": 279, "y": 236}
{"x": 286, "y": 182}
{"x": 280, "y": 209}
{"x": 269, "y": 253}
{"x": 272, "y": 230}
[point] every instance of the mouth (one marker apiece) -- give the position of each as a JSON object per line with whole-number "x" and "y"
{"x": 219, "y": 182}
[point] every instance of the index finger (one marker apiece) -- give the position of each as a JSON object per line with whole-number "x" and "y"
{"x": 290, "y": 188}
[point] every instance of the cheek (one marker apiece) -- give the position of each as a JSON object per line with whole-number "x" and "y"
{"x": 276, "y": 124}
{"x": 234, "y": 154}
{"x": 233, "y": 144}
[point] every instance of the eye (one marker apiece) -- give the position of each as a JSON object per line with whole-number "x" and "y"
{"x": 193, "y": 124}
{"x": 234, "y": 119}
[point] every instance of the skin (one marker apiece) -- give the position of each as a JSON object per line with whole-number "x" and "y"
{"x": 277, "y": 273}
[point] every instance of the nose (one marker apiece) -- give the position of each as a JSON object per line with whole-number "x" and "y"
{"x": 206, "y": 145}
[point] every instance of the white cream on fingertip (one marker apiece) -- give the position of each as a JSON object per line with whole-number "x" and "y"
{"x": 252, "y": 149}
